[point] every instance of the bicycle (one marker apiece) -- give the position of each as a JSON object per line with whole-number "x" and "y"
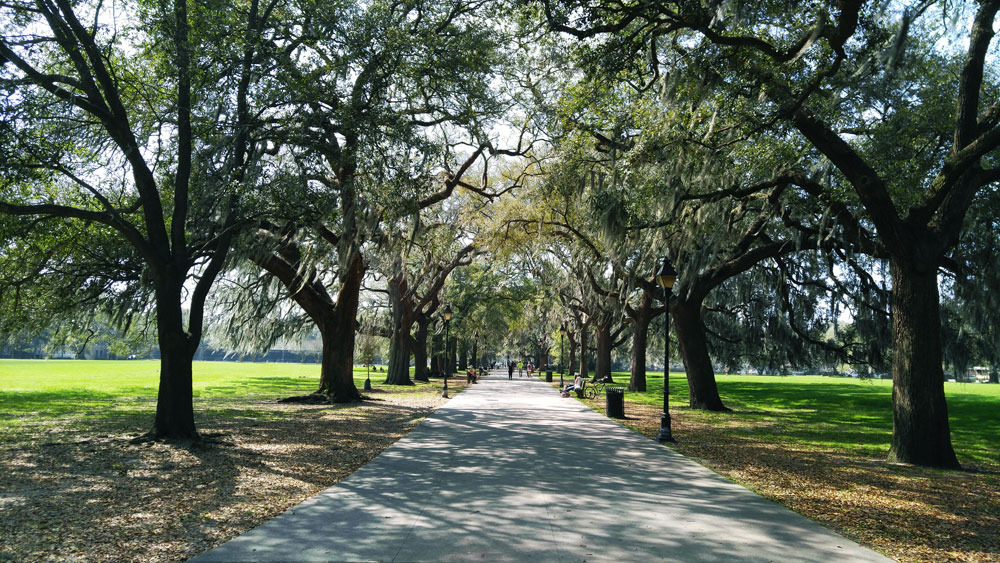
{"x": 595, "y": 389}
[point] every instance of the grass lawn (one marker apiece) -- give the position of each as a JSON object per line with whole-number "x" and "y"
{"x": 61, "y": 392}
{"x": 74, "y": 486}
{"x": 818, "y": 444}
{"x": 850, "y": 415}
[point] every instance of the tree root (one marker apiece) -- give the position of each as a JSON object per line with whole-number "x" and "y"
{"x": 310, "y": 399}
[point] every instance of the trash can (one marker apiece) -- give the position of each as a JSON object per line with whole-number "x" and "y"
{"x": 548, "y": 376}
{"x": 614, "y": 397}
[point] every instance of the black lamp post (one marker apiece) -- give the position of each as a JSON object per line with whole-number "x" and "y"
{"x": 447, "y": 357}
{"x": 562, "y": 333}
{"x": 665, "y": 277}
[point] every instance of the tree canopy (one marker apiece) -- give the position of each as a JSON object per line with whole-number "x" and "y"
{"x": 824, "y": 180}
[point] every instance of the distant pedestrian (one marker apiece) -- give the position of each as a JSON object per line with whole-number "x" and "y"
{"x": 510, "y": 370}
{"x": 520, "y": 368}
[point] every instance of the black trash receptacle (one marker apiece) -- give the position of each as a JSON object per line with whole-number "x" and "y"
{"x": 548, "y": 376}
{"x": 614, "y": 401}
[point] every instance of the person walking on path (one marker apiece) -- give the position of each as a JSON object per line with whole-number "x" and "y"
{"x": 520, "y": 368}
{"x": 510, "y": 370}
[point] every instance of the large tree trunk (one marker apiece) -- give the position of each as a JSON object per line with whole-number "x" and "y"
{"x": 637, "y": 369}
{"x": 584, "y": 371}
{"x": 332, "y": 375}
{"x": 572, "y": 353}
{"x": 920, "y": 431}
{"x": 337, "y": 330}
{"x": 399, "y": 343}
{"x": 334, "y": 319}
{"x": 452, "y": 357}
{"x": 703, "y": 393}
{"x": 437, "y": 354}
{"x": 602, "y": 333}
{"x": 420, "y": 349}
{"x": 175, "y": 399}
{"x": 640, "y": 342}
{"x": 398, "y": 372}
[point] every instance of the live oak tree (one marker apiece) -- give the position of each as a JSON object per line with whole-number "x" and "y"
{"x": 851, "y": 83}
{"x": 663, "y": 189}
{"x": 137, "y": 118}
{"x": 387, "y": 98}
{"x": 417, "y": 270}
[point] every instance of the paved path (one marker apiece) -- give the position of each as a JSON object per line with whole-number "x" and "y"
{"x": 508, "y": 470}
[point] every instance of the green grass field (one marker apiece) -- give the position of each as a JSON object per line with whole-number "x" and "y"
{"x": 844, "y": 414}
{"x": 70, "y": 393}
{"x": 809, "y": 411}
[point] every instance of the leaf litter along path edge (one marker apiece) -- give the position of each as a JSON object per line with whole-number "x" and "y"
{"x": 509, "y": 470}
{"x": 78, "y": 488}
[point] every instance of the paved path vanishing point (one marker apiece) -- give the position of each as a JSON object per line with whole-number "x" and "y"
{"x": 509, "y": 471}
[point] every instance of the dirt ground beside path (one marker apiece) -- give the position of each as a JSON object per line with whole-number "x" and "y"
{"x": 907, "y": 513}
{"x": 91, "y": 495}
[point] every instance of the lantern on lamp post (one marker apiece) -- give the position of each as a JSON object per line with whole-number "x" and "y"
{"x": 665, "y": 278}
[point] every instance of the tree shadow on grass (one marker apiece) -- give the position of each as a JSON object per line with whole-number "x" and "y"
{"x": 109, "y": 497}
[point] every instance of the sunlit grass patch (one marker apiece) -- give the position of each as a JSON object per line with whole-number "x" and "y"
{"x": 848, "y": 415}
{"x": 120, "y": 395}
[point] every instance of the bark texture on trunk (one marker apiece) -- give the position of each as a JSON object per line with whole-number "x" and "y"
{"x": 398, "y": 372}
{"x": 703, "y": 392}
{"x": 584, "y": 370}
{"x": 437, "y": 354}
{"x": 602, "y": 333}
{"x": 920, "y": 430}
{"x": 420, "y": 372}
{"x": 174, "y": 418}
{"x": 334, "y": 319}
{"x": 641, "y": 318}
{"x": 338, "y": 332}
{"x": 571, "y": 336}
{"x": 637, "y": 369}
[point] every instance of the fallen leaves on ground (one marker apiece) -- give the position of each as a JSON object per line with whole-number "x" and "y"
{"x": 907, "y": 513}
{"x": 94, "y": 495}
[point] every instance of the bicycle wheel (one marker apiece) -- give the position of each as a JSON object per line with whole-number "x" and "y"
{"x": 590, "y": 393}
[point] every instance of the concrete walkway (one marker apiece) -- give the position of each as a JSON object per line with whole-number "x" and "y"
{"x": 508, "y": 470}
